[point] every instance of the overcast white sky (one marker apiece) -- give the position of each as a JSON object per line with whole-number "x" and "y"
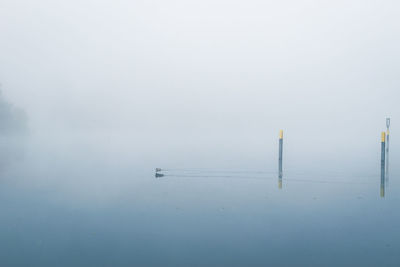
{"x": 206, "y": 72}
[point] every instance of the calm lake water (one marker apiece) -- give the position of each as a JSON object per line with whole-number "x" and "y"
{"x": 64, "y": 210}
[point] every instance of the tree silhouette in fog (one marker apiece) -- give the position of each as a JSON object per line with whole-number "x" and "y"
{"x": 13, "y": 120}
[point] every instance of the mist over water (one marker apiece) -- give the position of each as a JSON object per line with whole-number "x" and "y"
{"x": 96, "y": 94}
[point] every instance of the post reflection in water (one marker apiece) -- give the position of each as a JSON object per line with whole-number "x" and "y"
{"x": 280, "y": 181}
{"x": 382, "y": 186}
{"x": 384, "y": 180}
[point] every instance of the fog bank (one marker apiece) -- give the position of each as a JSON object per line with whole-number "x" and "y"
{"x": 206, "y": 80}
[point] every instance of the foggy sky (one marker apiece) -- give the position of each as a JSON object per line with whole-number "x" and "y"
{"x": 190, "y": 76}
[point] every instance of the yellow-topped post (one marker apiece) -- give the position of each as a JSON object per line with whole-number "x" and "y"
{"x": 280, "y": 152}
{"x": 383, "y": 139}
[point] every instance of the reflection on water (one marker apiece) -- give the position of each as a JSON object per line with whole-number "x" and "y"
{"x": 265, "y": 175}
{"x": 103, "y": 215}
{"x": 384, "y": 179}
{"x": 159, "y": 175}
{"x": 213, "y": 217}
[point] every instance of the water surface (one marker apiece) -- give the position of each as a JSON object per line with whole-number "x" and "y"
{"x": 82, "y": 209}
